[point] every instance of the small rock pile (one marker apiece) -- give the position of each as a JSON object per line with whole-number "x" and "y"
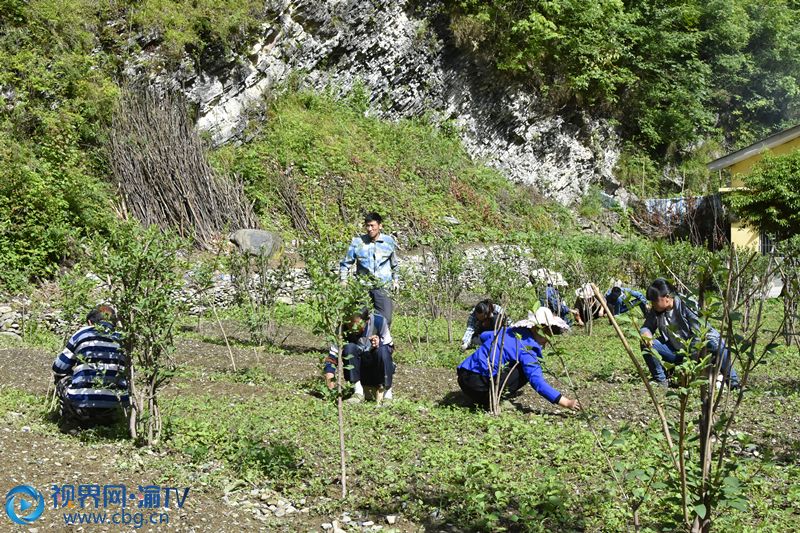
{"x": 346, "y": 523}
{"x": 264, "y": 503}
{"x": 10, "y": 322}
{"x": 294, "y": 286}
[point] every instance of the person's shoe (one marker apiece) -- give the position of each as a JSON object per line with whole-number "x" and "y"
{"x": 355, "y": 398}
{"x": 663, "y": 384}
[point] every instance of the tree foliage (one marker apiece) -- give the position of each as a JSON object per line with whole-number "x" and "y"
{"x": 54, "y": 101}
{"x": 671, "y": 71}
{"x": 141, "y": 269}
{"x": 674, "y": 74}
{"x": 771, "y": 198}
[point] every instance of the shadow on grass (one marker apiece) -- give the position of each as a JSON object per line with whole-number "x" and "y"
{"x": 245, "y": 342}
{"x": 777, "y": 447}
{"x": 776, "y": 386}
{"x": 457, "y": 399}
{"x": 301, "y": 350}
{"x": 790, "y": 454}
{"x": 88, "y": 433}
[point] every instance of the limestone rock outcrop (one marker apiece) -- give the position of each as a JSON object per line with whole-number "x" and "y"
{"x": 399, "y": 54}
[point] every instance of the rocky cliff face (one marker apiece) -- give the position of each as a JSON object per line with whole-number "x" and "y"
{"x": 394, "y": 51}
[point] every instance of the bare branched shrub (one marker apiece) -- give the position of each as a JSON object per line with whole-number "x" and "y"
{"x": 161, "y": 170}
{"x": 287, "y": 191}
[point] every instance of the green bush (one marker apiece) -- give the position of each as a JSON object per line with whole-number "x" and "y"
{"x": 195, "y": 26}
{"x": 46, "y": 207}
{"x": 56, "y": 99}
{"x": 671, "y": 73}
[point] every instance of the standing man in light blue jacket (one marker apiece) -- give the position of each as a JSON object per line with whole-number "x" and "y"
{"x": 375, "y": 257}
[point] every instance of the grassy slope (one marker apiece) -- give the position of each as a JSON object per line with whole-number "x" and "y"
{"x": 345, "y": 163}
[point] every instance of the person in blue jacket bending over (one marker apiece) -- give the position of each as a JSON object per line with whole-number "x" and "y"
{"x": 517, "y": 353}
{"x": 622, "y": 299}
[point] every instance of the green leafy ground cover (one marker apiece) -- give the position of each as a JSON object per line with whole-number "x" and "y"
{"x": 425, "y": 457}
{"x": 432, "y": 462}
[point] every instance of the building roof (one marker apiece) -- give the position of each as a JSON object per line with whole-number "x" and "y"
{"x": 757, "y": 147}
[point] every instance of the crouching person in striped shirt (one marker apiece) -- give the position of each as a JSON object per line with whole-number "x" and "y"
{"x": 90, "y": 374}
{"x": 367, "y": 354}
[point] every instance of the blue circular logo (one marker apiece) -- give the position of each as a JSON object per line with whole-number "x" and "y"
{"x": 31, "y": 504}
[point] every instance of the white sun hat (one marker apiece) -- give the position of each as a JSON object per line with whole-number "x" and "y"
{"x": 542, "y": 317}
{"x": 585, "y": 291}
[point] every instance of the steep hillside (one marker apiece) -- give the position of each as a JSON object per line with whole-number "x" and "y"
{"x": 563, "y": 99}
{"x": 316, "y": 164}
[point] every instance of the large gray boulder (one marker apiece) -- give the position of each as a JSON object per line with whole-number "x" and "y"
{"x": 257, "y": 242}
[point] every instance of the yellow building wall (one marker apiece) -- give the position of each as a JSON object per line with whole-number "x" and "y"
{"x": 744, "y": 237}
{"x": 743, "y": 167}
{"x": 741, "y": 235}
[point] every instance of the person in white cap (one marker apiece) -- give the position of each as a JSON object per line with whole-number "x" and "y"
{"x": 516, "y": 356}
{"x": 587, "y": 305}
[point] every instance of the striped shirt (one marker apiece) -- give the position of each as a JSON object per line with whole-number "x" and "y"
{"x": 96, "y": 363}
{"x": 374, "y": 259}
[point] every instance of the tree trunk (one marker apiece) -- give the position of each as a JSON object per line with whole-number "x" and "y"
{"x": 340, "y": 409}
{"x": 135, "y": 404}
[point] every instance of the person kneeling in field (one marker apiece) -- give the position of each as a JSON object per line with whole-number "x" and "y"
{"x": 90, "y": 374}
{"x": 552, "y": 300}
{"x": 485, "y": 316}
{"x": 587, "y": 305}
{"x": 518, "y": 350}
{"x": 670, "y": 327}
{"x": 368, "y": 351}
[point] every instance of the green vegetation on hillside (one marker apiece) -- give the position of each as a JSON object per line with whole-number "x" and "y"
{"x": 343, "y": 164}
{"x": 675, "y": 73}
{"x": 55, "y": 98}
